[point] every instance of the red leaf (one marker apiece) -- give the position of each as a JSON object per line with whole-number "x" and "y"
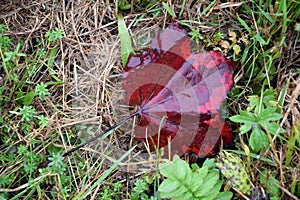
{"x": 188, "y": 88}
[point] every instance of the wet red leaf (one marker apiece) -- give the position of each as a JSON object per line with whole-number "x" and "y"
{"x": 186, "y": 87}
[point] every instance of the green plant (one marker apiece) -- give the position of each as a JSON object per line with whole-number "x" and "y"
{"x": 13, "y": 56}
{"x": 169, "y": 9}
{"x": 124, "y": 4}
{"x": 27, "y": 113}
{"x": 271, "y": 184}
{"x": 196, "y": 35}
{"x": 43, "y": 121}
{"x": 5, "y": 180}
{"x": 112, "y": 192}
{"x": 54, "y": 35}
{"x": 5, "y": 42}
{"x": 31, "y": 159}
{"x": 126, "y": 47}
{"x": 57, "y": 163}
{"x": 140, "y": 186}
{"x": 182, "y": 182}
{"x": 260, "y": 118}
{"x": 41, "y": 90}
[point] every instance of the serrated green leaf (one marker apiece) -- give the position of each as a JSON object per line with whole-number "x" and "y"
{"x": 269, "y": 114}
{"x": 213, "y": 193}
{"x": 269, "y": 95}
{"x": 126, "y": 46}
{"x": 187, "y": 195}
{"x": 197, "y": 178}
{"x": 254, "y": 101}
{"x": 201, "y": 181}
{"x": 181, "y": 168}
{"x": 195, "y": 184}
{"x": 178, "y": 192}
{"x": 258, "y": 140}
{"x": 177, "y": 170}
{"x": 208, "y": 183}
{"x": 168, "y": 185}
{"x": 166, "y": 169}
{"x": 243, "y": 117}
{"x": 245, "y": 128}
{"x": 194, "y": 166}
{"x": 210, "y": 163}
{"x": 272, "y": 128}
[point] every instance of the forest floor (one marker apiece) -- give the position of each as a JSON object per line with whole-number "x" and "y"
{"x": 61, "y": 83}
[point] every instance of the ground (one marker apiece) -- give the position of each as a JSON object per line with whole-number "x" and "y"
{"x": 61, "y": 83}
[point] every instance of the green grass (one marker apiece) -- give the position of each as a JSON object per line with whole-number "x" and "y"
{"x": 261, "y": 36}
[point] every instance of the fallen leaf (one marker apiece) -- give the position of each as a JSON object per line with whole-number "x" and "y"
{"x": 186, "y": 89}
{"x": 232, "y": 36}
{"x": 225, "y": 44}
{"x": 237, "y": 49}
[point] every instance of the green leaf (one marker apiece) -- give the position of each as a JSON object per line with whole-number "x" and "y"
{"x": 233, "y": 168}
{"x": 27, "y": 100}
{"x": 168, "y": 185}
{"x": 243, "y": 117}
{"x": 195, "y": 183}
{"x": 178, "y": 169}
{"x": 246, "y": 53}
{"x": 213, "y": 193}
{"x": 245, "y": 128}
{"x": 282, "y": 95}
{"x": 184, "y": 183}
{"x": 170, "y": 189}
{"x": 126, "y": 47}
{"x": 169, "y": 9}
{"x": 269, "y": 114}
{"x": 254, "y": 102}
{"x": 272, "y": 128}
{"x": 269, "y": 98}
{"x": 270, "y": 183}
{"x": 260, "y": 39}
{"x": 224, "y": 196}
{"x": 181, "y": 168}
{"x": 258, "y": 140}
{"x": 208, "y": 183}
{"x": 209, "y": 162}
{"x": 21, "y": 54}
{"x": 50, "y": 63}
{"x": 166, "y": 169}
{"x": 244, "y": 24}
{"x": 295, "y": 134}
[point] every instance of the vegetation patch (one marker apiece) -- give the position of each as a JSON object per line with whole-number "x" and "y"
{"x": 61, "y": 67}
